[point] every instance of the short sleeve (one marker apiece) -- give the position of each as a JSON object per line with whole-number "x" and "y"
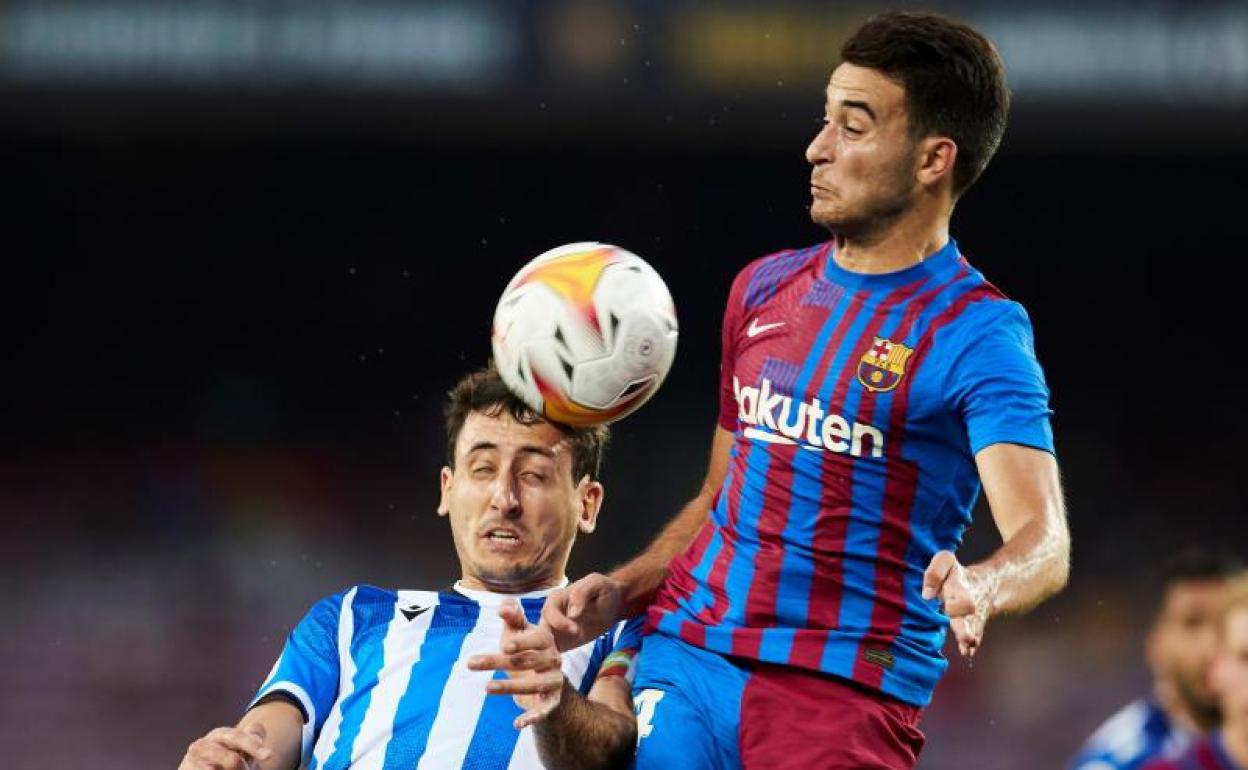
{"x": 995, "y": 383}
{"x": 307, "y": 671}
{"x": 729, "y": 331}
{"x": 615, "y": 652}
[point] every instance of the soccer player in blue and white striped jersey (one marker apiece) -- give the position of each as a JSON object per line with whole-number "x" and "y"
{"x": 1180, "y": 648}
{"x": 373, "y": 678}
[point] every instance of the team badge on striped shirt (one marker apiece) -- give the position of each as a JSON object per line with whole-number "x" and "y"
{"x": 883, "y": 365}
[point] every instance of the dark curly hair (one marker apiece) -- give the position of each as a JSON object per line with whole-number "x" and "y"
{"x": 953, "y": 77}
{"x": 484, "y": 391}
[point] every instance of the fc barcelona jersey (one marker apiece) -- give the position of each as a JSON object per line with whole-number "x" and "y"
{"x": 858, "y": 403}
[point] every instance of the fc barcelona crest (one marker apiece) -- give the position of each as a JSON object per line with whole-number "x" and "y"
{"x": 883, "y": 365}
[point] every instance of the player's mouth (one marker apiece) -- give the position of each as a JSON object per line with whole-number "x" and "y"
{"x": 819, "y": 191}
{"x": 501, "y": 539}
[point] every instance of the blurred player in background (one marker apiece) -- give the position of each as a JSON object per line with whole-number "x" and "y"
{"x": 1227, "y": 747}
{"x": 868, "y": 386}
{"x": 1179, "y": 648}
{"x": 373, "y": 678}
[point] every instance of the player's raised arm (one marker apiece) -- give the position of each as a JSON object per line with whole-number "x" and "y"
{"x": 266, "y": 738}
{"x": 589, "y": 606}
{"x": 1024, "y": 492}
{"x": 572, "y": 730}
{"x": 598, "y": 731}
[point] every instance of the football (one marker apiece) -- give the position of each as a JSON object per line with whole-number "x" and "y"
{"x": 585, "y": 333}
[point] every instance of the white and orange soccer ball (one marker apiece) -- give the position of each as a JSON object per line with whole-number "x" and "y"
{"x": 585, "y": 333}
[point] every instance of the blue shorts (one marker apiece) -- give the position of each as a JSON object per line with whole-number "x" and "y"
{"x": 699, "y": 710}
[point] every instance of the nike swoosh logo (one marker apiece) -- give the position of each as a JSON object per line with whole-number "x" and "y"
{"x": 756, "y": 328}
{"x": 411, "y": 612}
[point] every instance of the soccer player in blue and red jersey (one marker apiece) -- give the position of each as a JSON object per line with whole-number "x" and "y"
{"x": 1227, "y": 747}
{"x": 869, "y": 385}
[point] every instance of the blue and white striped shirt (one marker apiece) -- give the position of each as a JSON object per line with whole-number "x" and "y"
{"x": 1131, "y": 738}
{"x": 381, "y": 679}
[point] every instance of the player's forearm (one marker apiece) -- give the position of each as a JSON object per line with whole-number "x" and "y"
{"x": 642, "y": 577}
{"x": 580, "y": 734}
{"x": 282, "y": 726}
{"x": 1032, "y": 565}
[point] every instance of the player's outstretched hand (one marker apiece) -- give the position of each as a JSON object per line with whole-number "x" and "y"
{"x": 583, "y": 611}
{"x": 966, "y": 595}
{"x": 531, "y": 660}
{"x": 228, "y": 748}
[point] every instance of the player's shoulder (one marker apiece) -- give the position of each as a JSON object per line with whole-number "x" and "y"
{"x": 627, "y": 632}
{"x": 1204, "y": 753}
{"x": 974, "y": 309}
{"x": 1127, "y": 740}
{"x": 989, "y": 312}
{"x": 762, "y": 276}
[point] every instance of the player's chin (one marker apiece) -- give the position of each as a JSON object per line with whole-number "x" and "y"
{"x": 825, "y": 215}
{"x": 507, "y": 572}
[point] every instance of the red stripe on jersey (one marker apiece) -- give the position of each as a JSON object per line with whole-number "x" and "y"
{"x": 773, "y": 514}
{"x": 900, "y": 486}
{"x": 895, "y": 465}
{"x": 680, "y": 584}
{"x": 765, "y": 592}
{"x": 716, "y": 580}
{"x": 831, "y": 524}
{"x": 693, "y": 633}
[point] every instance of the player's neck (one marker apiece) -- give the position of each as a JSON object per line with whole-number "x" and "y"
{"x": 907, "y": 242}
{"x": 544, "y": 583}
{"x": 1235, "y": 741}
{"x": 1176, "y": 708}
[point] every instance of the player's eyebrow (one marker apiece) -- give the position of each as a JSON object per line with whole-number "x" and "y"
{"x": 538, "y": 450}
{"x": 483, "y": 446}
{"x": 853, "y": 103}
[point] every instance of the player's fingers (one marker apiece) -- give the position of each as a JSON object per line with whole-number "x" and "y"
{"x": 487, "y": 662}
{"x": 554, "y": 614}
{"x": 536, "y": 714}
{"x": 957, "y": 602}
{"x": 533, "y": 660}
{"x": 968, "y": 634}
{"x": 512, "y": 615}
{"x": 256, "y": 729}
{"x": 244, "y": 742}
{"x": 937, "y": 571}
{"x": 210, "y": 755}
{"x": 525, "y": 660}
{"x": 584, "y": 592}
{"x": 538, "y": 684}
{"x": 532, "y": 638}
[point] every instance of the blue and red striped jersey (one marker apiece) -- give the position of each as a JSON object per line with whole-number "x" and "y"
{"x": 1207, "y": 753}
{"x": 857, "y": 403}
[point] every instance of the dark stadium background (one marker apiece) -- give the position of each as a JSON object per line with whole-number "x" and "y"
{"x": 234, "y": 291}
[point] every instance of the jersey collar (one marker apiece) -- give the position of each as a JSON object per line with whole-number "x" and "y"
{"x": 943, "y": 261}
{"x": 491, "y": 599}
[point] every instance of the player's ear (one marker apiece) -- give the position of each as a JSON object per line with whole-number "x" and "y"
{"x": 937, "y": 156}
{"x": 444, "y": 506}
{"x": 589, "y": 498}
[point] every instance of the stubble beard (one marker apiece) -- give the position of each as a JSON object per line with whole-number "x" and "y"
{"x": 875, "y": 216}
{"x": 1202, "y": 706}
{"x": 862, "y": 226}
{"x": 510, "y": 577}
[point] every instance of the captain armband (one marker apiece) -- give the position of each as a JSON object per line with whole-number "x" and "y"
{"x": 621, "y": 662}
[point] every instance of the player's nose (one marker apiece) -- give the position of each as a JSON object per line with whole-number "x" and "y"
{"x": 821, "y": 147}
{"x": 504, "y": 496}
